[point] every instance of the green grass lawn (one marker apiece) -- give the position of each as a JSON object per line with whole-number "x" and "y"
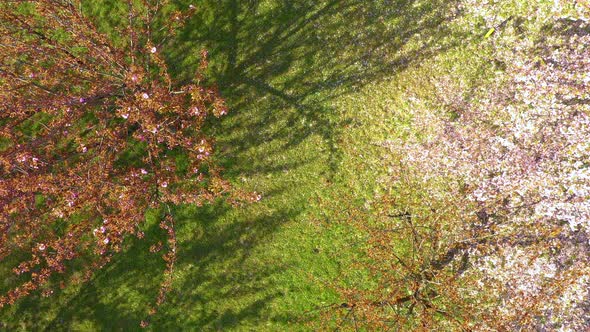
{"x": 312, "y": 86}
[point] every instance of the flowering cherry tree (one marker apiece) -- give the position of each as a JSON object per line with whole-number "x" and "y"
{"x": 487, "y": 226}
{"x": 520, "y": 158}
{"x": 91, "y": 129}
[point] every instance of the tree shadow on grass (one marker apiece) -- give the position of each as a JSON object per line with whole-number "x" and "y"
{"x": 212, "y": 267}
{"x": 222, "y": 288}
{"x": 291, "y": 58}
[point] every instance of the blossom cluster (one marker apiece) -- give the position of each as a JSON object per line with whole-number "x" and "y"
{"x": 517, "y": 153}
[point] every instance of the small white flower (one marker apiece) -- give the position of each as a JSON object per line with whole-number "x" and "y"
{"x": 145, "y": 95}
{"x": 106, "y": 241}
{"x": 41, "y": 246}
{"x": 164, "y": 184}
{"x": 143, "y": 171}
{"x": 125, "y": 116}
{"x": 153, "y": 49}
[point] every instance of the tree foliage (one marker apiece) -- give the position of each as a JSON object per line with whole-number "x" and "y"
{"x": 94, "y": 132}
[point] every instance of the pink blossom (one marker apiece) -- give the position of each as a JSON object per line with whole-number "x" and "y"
{"x": 515, "y": 158}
